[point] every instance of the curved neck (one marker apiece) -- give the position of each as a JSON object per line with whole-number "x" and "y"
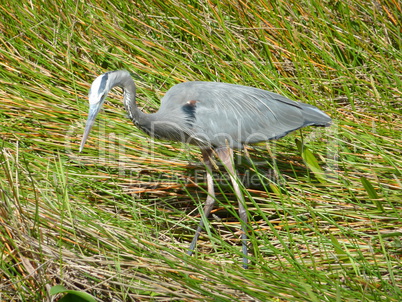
{"x": 152, "y": 124}
{"x": 129, "y": 92}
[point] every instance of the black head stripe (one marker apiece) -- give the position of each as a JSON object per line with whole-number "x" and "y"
{"x": 102, "y": 85}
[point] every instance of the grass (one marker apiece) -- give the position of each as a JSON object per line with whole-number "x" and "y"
{"x": 115, "y": 221}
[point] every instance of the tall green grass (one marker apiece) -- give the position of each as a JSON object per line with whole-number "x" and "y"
{"x": 115, "y": 221}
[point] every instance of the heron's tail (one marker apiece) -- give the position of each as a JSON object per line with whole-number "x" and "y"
{"x": 315, "y": 117}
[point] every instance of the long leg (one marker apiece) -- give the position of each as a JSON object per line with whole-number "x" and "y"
{"x": 226, "y": 156}
{"x": 209, "y": 203}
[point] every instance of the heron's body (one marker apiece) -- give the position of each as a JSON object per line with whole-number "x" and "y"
{"x": 211, "y": 114}
{"x": 217, "y": 117}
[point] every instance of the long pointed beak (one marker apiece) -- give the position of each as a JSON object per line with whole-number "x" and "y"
{"x": 93, "y": 112}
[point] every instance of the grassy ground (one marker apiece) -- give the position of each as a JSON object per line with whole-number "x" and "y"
{"x": 115, "y": 220}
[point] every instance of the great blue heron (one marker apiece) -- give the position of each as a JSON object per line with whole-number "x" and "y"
{"x": 218, "y": 117}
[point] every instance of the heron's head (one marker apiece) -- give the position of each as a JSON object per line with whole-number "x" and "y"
{"x": 102, "y": 85}
{"x": 97, "y": 95}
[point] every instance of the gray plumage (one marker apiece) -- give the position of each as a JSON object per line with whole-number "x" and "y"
{"x": 235, "y": 114}
{"x": 215, "y": 116}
